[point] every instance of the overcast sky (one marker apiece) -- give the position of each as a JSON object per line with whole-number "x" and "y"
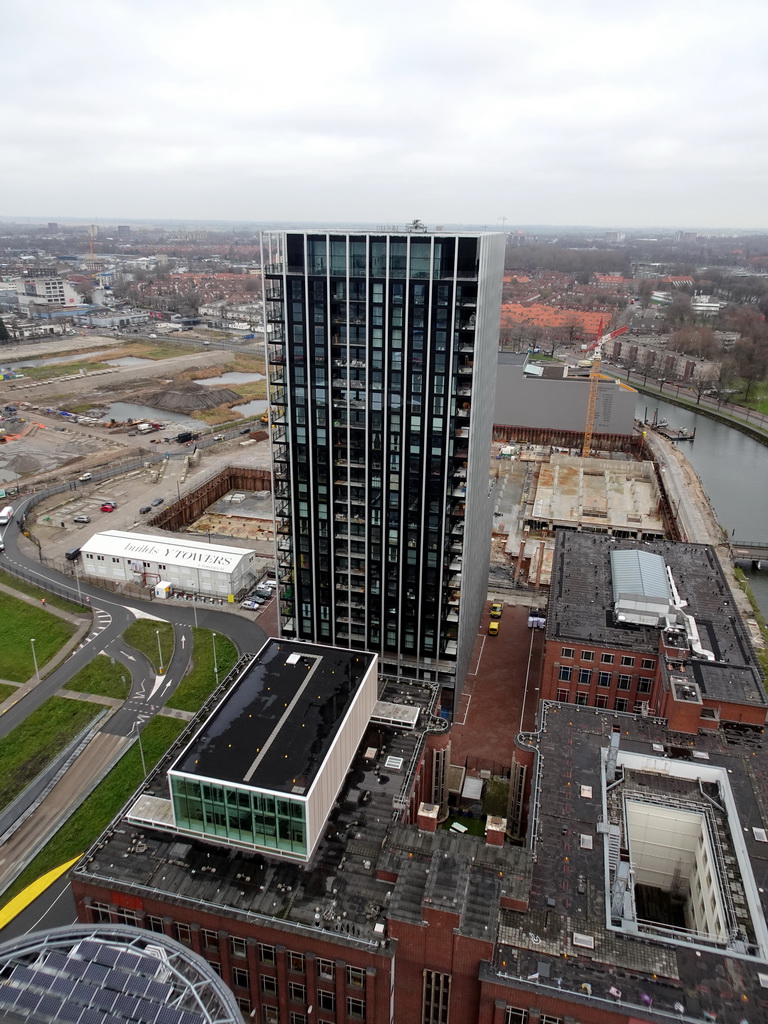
{"x": 551, "y": 112}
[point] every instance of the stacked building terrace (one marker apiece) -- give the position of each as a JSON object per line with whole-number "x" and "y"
{"x": 638, "y": 895}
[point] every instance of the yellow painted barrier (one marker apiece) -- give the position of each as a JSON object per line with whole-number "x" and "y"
{"x": 32, "y": 891}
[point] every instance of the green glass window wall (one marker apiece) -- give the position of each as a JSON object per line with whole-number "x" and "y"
{"x": 239, "y": 815}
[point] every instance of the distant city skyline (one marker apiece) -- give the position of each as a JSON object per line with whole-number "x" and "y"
{"x": 337, "y": 113}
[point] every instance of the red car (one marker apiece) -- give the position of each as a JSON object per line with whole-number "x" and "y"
{"x": 108, "y": 507}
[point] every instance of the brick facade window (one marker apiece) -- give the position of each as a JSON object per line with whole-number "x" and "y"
{"x": 564, "y": 696}
{"x": 437, "y": 997}
{"x": 648, "y": 663}
{"x": 297, "y": 993}
{"x": 644, "y": 685}
{"x": 266, "y": 954}
{"x": 585, "y": 676}
{"x": 604, "y": 678}
{"x": 566, "y": 652}
{"x": 183, "y": 933}
{"x": 606, "y": 659}
{"x": 627, "y": 661}
{"x": 326, "y": 969}
{"x": 237, "y": 946}
{"x": 155, "y": 924}
{"x": 621, "y": 704}
{"x": 210, "y": 939}
{"x": 355, "y": 1008}
{"x": 296, "y": 962}
{"x": 355, "y": 977}
{"x": 565, "y": 673}
{"x": 240, "y": 977}
{"x": 582, "y": 698}
{"x": 601, "y": 700}
{"x": 512, "y": 1015}
{"x": 326, "y": 1000}
{"x": 268, "y": 985}
{"x": 102, "y": 912}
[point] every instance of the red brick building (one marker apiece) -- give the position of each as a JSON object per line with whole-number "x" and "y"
{"x": 394, "y": 920}
{"x": 666, "y": 641}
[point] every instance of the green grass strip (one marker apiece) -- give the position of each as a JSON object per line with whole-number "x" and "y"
{"x": 102, "y": 678}
{"x": 143, "y": 635}
{"x": 24, "y": 587}
{"x": 20, "y": 623}
{"x": 26, "y": 751}
{"x": 97, "y": 810}
{"x": 200, "y": 682}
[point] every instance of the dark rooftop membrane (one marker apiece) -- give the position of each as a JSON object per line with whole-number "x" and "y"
{"x": 275, "y": 727}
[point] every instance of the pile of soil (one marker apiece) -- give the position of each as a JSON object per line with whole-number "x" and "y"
{"x": 185, "y": 396}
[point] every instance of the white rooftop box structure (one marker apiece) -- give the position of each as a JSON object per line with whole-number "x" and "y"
{"x": 189, "y": 565}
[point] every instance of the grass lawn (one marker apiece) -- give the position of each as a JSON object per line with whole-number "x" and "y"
{"x": 31, "y": 590}
{"x": 103, "y": 678}
{"x": 474, "y": 826}
{"x": 142, "y": 634}
{"x": 96, "y": 812}
{"x": 32, "y": 745}
{"x": 200, "y": 681}
{"x": 20, "y": 623}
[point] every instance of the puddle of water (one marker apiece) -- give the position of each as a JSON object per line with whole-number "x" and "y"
{"x": 253, "y": 408}
{"x": 234, "y": 377}
{"x": 129, "y": 361}
{"x": 123, "y": 411}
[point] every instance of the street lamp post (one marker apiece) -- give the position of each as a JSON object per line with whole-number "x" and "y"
{"x": 159, "y": 650}
{"x": 215, "y": 662}
{"x": 194, "y": 607}
{"x": 141, "y": 749}
{"x": 34, "y": 659}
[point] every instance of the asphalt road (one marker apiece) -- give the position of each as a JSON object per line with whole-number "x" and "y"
{"x": 112, "y": 614}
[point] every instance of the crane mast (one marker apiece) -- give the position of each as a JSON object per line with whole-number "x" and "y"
{"x": 594, "y": 381}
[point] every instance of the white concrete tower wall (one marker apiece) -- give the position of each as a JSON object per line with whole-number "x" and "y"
{"x": 479, "y": 514}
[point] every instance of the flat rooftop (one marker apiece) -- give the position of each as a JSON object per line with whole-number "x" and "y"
{"x": 581, "y": 601}
{"x": 569, "y": 898}
{"x": 598, "y": 493}
{"x": 276, "y": 725}
{"x": 166, "y": 549}
{"x": 338, "y": 890}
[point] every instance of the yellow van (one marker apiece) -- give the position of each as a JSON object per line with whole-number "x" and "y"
{"x": 493, "y": 628}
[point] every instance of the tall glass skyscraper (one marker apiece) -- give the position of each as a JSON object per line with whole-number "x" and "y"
{"x": 381, "y": 351}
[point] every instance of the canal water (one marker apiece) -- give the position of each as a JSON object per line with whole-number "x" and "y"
{"x": 734, "y": 471}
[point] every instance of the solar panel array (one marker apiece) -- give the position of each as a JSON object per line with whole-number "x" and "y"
{"x": 95, "y": 983}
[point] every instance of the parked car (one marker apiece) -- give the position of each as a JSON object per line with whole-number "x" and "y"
{"x": 250, "y": 604}
{"x": 85, "y": 476}
{"x": 218, "y": 437}
{"x": 82, "y": 519}
{"x": 262, "y": 592}
{"x": 157, "y": 501}
{"x": 144, "y": 509}
{"x": 493, "y": 628}
{"x": 108, "y": 508}
{"x": 496, "y": 609}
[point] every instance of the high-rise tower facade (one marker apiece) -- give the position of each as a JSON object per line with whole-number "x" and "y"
{"x": 381, "y": 351}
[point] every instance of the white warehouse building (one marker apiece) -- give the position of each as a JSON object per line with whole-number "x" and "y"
{"x": 189, "y": 565}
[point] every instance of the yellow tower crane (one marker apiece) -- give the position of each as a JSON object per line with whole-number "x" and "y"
{"x": 594, "y": 381}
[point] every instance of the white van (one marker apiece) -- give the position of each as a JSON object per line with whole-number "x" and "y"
{"x": 6, "y": 515}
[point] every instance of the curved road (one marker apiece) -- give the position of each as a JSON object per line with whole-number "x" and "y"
{"x": 113, "y": 613}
